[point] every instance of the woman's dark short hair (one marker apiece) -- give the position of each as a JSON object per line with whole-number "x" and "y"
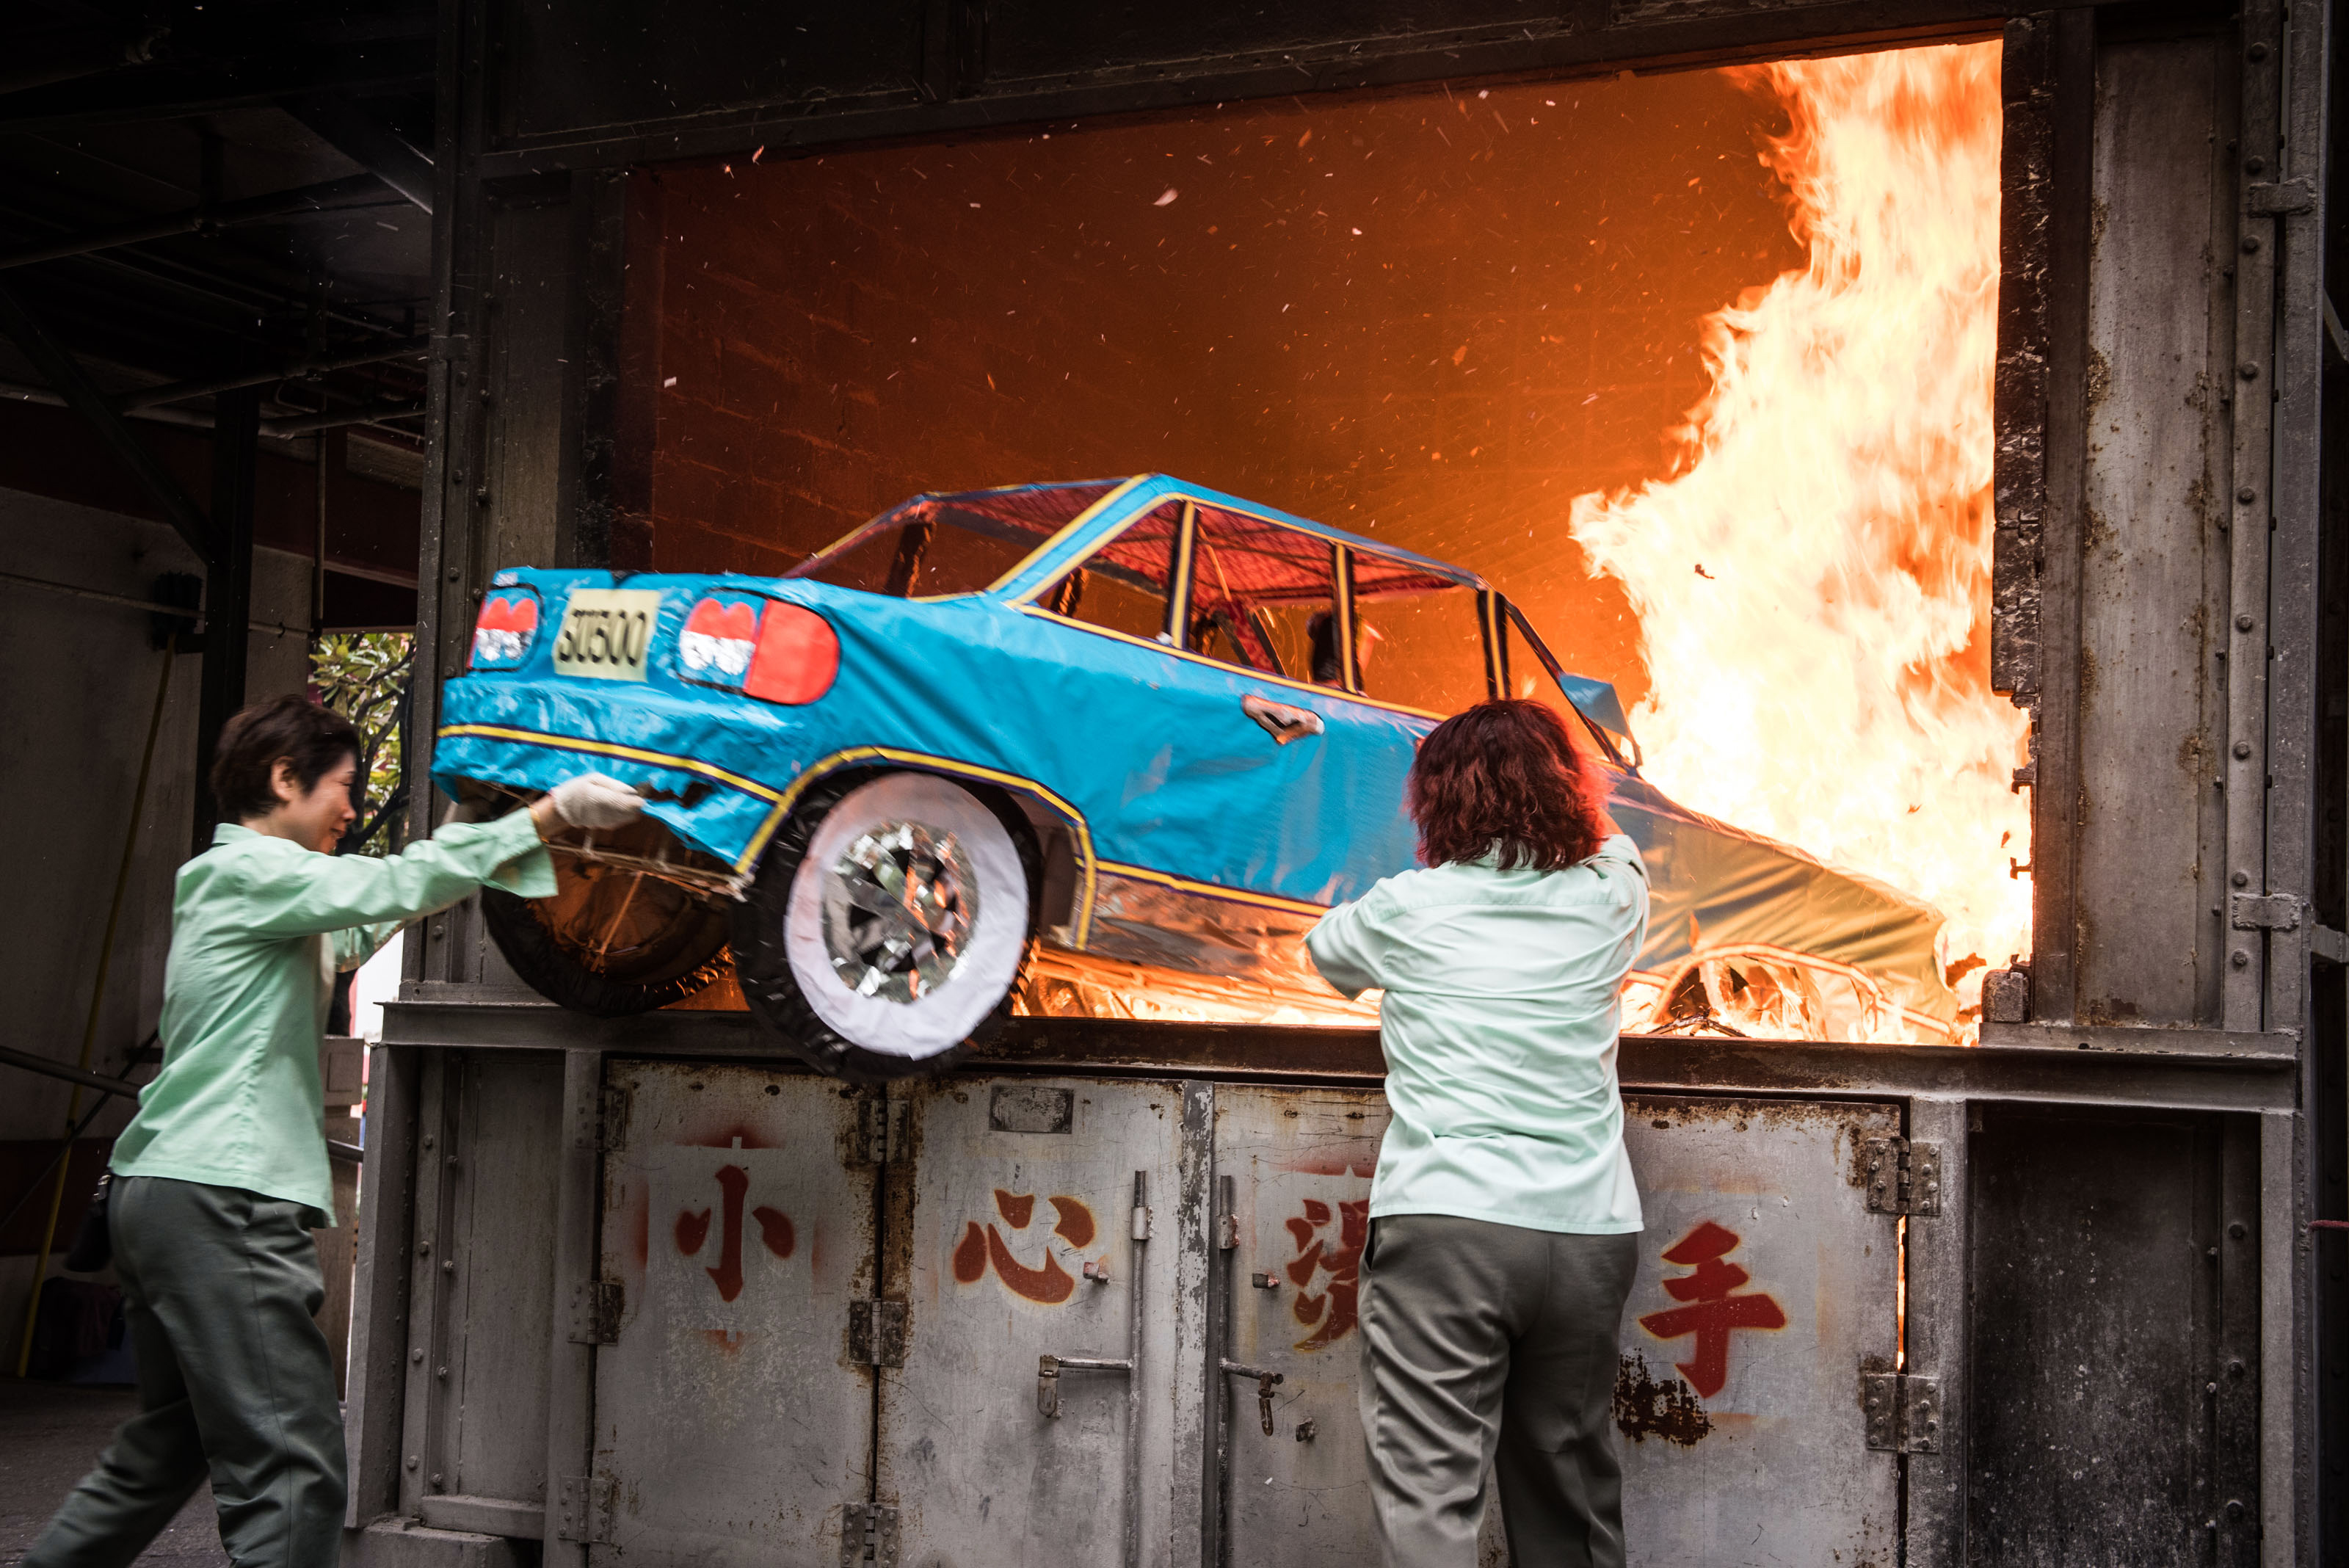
{"x": 1505, "y": 775}
{"x": 314, "y": 741}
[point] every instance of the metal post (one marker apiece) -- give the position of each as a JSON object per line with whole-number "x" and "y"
{"x": 379, "y": 1292}
{"x": 571, "y": 1373}
{"x": 319, "y": 554}
{"x": 228, "y": 596}
{"x": 1133, "y": 1327}
{"x": 2249, "y": 635}
{"x": 1936, "y": 1336}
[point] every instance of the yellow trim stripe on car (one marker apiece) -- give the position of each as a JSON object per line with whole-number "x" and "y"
{"x": 1081, "y": 520}
{"x": 785, "y": 798}
{"x": 1459, "y": 576}
{"x": 1497, "y": 644}
{"x": 1211, "y": 890}
{"x": 1177, "y": 631}
{"x": 1342, "y": 617}
{"x": 607, "y": 749}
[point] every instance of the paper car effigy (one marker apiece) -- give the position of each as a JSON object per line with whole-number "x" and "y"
{"x": 1125, "y": 738}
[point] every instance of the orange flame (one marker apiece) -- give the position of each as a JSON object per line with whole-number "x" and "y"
{"x": 1814, "y": 584}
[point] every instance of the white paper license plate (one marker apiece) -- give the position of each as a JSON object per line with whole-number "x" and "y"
{"x": 607, "y": 633}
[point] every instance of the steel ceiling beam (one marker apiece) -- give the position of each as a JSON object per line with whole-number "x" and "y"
{"x": 404, "y": 68}
{"x": 63, "y": 373}
{"x": 80, "y": 52}
{"x": 367, "y": 142}
{"x": 334, "y": 419}
{"x": 179, "y": 391}
{"x": 223, "y": 216}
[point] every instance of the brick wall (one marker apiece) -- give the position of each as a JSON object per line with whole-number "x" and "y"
{"x": 1431, "y": 316}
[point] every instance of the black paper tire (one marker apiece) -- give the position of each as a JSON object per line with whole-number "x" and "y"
{"x": 613, "y": 942}
{"x": 788, "y": 975}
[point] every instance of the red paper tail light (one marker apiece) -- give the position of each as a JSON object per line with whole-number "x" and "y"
{"x": 719, "y": 636}
{"x": 505, "y": 629}
{"x": 797, "y": 657}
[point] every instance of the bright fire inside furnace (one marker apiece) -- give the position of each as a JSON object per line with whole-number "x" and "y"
{"x": 1723, "y": 431}
{"x": 1813, "y": 583}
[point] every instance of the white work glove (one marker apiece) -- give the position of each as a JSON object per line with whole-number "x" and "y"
{"x": 594, "y": 800}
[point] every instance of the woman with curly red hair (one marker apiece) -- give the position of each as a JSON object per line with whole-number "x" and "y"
{"x": 1503, "y": 1213}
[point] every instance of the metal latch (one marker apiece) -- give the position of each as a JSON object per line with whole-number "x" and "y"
{"x": 1266, "y": 1382}
{"x": 2283, "y": 912}
{"x": 612, "y": 1125}
{"x": 2268, "y": 912}
{"x": 584, "y": 1508}
{"x": 2279, "y": 198}
{"x": 1048, "y": 1377}
{"x": 876, "y": 1333}
{"x": 597, "y": 1306}
{"x": 1903, "y": 1177}
{"x": 1903, "y": 1412}
{"x": 880, "y": 1131}
{"x": 868, "y": 1533}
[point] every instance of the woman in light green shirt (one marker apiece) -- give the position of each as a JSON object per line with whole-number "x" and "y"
{"x": 1502, "y": 1214}
{"x": 221, "y": 1174}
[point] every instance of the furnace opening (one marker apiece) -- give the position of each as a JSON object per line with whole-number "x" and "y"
{"x": 1694, "y": 368}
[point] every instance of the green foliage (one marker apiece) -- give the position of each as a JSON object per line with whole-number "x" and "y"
{"x": 364, "y": 676}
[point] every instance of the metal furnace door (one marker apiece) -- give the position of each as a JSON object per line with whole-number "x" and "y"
{"x": 1738, "y": 1397}
{"x": 732, "y": 1423}
{"x": 1765, "y": 1285}
{"x": 1299, "y": 1163}
{"x": 1015, "y": 1197}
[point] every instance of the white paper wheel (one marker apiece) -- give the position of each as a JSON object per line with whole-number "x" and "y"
{"x": 907, "y": 917}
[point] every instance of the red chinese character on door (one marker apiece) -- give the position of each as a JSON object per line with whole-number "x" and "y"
{"x": 1049, "y": 1284}
{"x": 1712, "y": 1310}
{"x": 693, "y": 1231}
{"x": 1335, "y": 1313}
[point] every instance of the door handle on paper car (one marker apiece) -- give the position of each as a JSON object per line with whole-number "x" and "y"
{"x": 1279, "y": 721}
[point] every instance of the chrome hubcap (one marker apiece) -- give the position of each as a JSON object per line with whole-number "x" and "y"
{"x": 898, "y": 909}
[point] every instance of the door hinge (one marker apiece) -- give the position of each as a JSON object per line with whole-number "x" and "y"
{"x": 2279, "y": 198}
{"x": 1903, "y": 1177}
{"x": 583, "y": 1509}
{"x": 868, "y": 1533}
{"x": 2268, "y": 912}
{"x": 880, "y": 1132}
{"x": 596, "y": 1309}
{"x": 612, "y": 1127}
{"x": 876, "y": 1333}
{"x": 1903, "y": 1412}
{"x": 2328, "y": 944}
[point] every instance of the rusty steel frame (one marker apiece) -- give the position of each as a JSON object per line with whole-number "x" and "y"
{"x": 2206, "y": 1071}
{"x": 2252, "y": 1060}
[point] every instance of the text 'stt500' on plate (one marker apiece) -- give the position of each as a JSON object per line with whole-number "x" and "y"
{"x": 607, "y": 633}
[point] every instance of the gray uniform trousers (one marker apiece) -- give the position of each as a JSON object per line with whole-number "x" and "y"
{"x": 1493, "y": 1348}
{"x": 234, "y": 1381}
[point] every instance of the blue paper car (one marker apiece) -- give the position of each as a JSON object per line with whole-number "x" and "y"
{"x": 1129, "y": 721}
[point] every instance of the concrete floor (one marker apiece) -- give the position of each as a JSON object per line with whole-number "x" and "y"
{"x": 51, "y": 1436}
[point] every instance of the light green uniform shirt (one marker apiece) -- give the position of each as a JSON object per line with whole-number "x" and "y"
{"x": 259, "y": 926}
{"x": 1500, "y": 1024}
